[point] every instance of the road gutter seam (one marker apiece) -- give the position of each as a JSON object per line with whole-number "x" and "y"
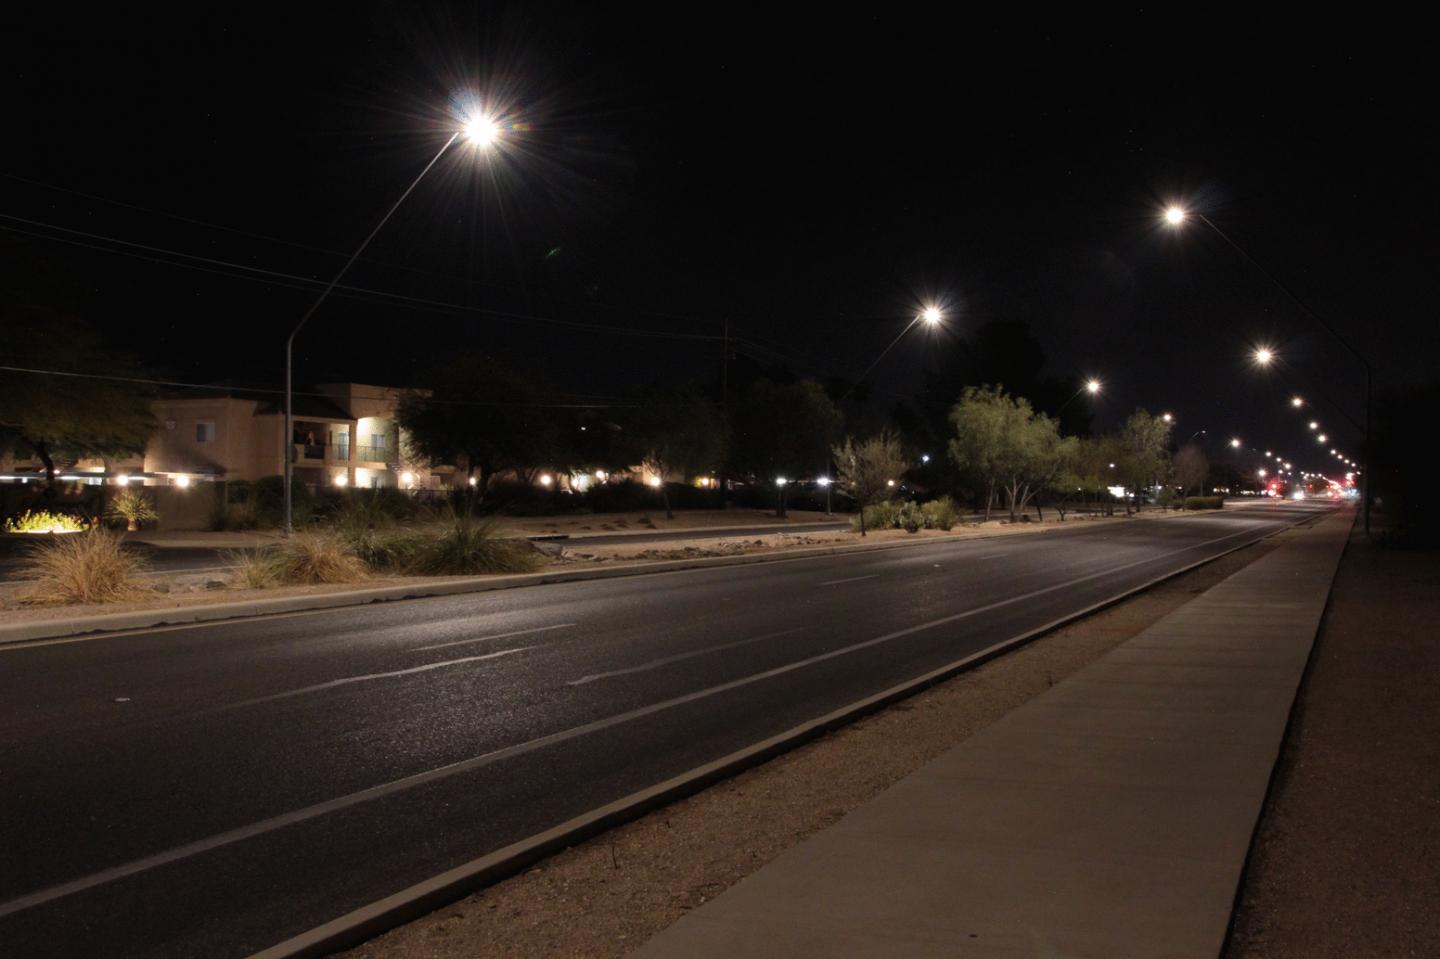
{"x": 424, "y": 897}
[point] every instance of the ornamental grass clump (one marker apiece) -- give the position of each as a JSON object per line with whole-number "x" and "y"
{"x": 468, "y": 546}
{"x": 89, "y": 567}
{"x": 306, "y": 559}
{"x": 316, "y": 558}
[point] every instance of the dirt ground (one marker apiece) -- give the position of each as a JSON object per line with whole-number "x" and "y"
{"x": 1346, "y": 861}
{"x": 609, "y": 895}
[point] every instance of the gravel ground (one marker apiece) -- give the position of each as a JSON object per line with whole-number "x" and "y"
{"x": 1346, "y": 862}
{"x": 607, "y": 896}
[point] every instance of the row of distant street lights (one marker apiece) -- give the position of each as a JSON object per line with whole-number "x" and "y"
{"x": 483, "y": 131}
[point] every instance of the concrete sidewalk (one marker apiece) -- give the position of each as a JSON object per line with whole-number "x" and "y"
{"x": 1109, "y": 817}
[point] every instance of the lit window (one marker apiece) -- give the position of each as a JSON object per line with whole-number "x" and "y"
{"x": 205, "y": 431}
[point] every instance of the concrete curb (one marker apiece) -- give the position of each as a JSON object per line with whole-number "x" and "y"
{"x": 424, "y": 897}
{"x": 219, "y": 612}
{"x": 696, "y": 532}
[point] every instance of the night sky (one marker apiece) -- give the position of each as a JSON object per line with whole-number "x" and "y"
{"x": 813, "y": 181}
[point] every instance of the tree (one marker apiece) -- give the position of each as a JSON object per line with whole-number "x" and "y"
{"x": 675, "y": 431}
{"x": 866, "y": 470}
{"x": 482, "y": 417}
{"x": 1191, "y": 467}
{"x": 1008, "y": 447}
{"x": 68, "y": 416}
{"x": 1142, "y": 452}
{"x": 783, "y": 432}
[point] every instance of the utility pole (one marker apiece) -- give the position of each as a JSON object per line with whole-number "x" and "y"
{"x": 725, "y": 407}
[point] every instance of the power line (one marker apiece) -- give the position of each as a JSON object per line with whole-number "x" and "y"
{"x": 274, "y": 277}
{"x": 246, "y": 389}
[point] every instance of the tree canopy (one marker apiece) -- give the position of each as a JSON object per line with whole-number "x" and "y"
{"x": 1002, "y": 443}
{"x": 867, "y": 469}
{"x": 675, "y": 432}
{"x": 484, "y": 418}
{"x": 66, "y": 417}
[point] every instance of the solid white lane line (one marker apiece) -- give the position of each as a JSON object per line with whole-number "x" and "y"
{"x": 665, "y": 661}
{"x": 485, "y": 759}
{"x": 372, "y": 676}
{"x": 481, "y": 639}
{"x": 852, "y": 579}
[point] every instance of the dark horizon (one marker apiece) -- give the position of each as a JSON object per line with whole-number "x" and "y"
{"x": 665, "y": 178}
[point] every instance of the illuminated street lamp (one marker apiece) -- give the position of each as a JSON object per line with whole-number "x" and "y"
{"x": 930, "y": 315}
{"x": 1092, "y": 386}
{"x": 1235, "y": 442}
{"x": 1314, "y": 425}
{"x": 1167, "y": 417}
{"x": 1176, "y": 215}
{"x": 480, "y": 130}
{"x": 1320, "y": 438}
{"x": 1264, "y": 355}
{"x": 1296, "y": 402}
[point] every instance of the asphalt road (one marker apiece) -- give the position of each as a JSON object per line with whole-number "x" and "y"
{"x": 211, "y": 790}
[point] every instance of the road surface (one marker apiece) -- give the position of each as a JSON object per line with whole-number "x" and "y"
{"x": 213, "y": 789}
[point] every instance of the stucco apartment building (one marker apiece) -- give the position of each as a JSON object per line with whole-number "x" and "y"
{"x": 345, "y": 434}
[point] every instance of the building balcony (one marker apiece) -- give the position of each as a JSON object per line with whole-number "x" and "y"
{"x": 376, "y": 454}
{"x": 318, "y": 453}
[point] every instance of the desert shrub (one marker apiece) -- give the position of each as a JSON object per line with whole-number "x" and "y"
{"x": 133, "y": 506}
{"x": 882, "y": 515}
{"x": 467, "y": 545}
{"x": 302, "y": 560}
{"x": 1204, "y": 502}
{"x": 910, "y": 517}
{"x": 255, "y": 568}
{"x": 90, "y": 567}
{"x": 44, "y": 521}
{"x": 940, "y": 513}
{"x": 233, "y": 516}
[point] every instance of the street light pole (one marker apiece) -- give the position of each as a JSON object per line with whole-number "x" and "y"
{"x": 1175, "y": 215}
{"x": 289, "y": 436}
{"x": 930, "y": 315}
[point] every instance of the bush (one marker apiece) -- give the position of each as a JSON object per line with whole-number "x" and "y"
{"x": 91, "y": 567}
{"x": 882, "y": 515}
{"x": 233, "y": 516}
{"x": 910, "y": 517}
{"x": 133, "y": 506}
{"x": 44, "y": 521}
{"x": 1204, "y": 502}
{"x": 255, "y": 568}
{"x": 940, "y": 513}
{"x": 468, "y": 545}
{"x": 303, "y": 560}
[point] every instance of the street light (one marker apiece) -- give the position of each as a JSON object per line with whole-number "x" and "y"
{"x": 1167, "y": 417}
{"x": 1296, "y": 402}
{"x": 1092, "y": 386}
{"x": 1176, "y": 215}
{"x": 1320, "y": 438}
{"x": 1235, "y": 442}
{"x": 932, "y": 317}
{"x": 480, "y": 130}
{"x": 1264, "y": 355}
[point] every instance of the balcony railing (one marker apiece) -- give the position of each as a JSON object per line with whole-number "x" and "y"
{"x": 375, "y": 454}
{"x": 323, "y": 452}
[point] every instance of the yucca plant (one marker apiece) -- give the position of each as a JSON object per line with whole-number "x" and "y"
{"x": 91, "y": 567}
{"x": 134, "y": 507}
